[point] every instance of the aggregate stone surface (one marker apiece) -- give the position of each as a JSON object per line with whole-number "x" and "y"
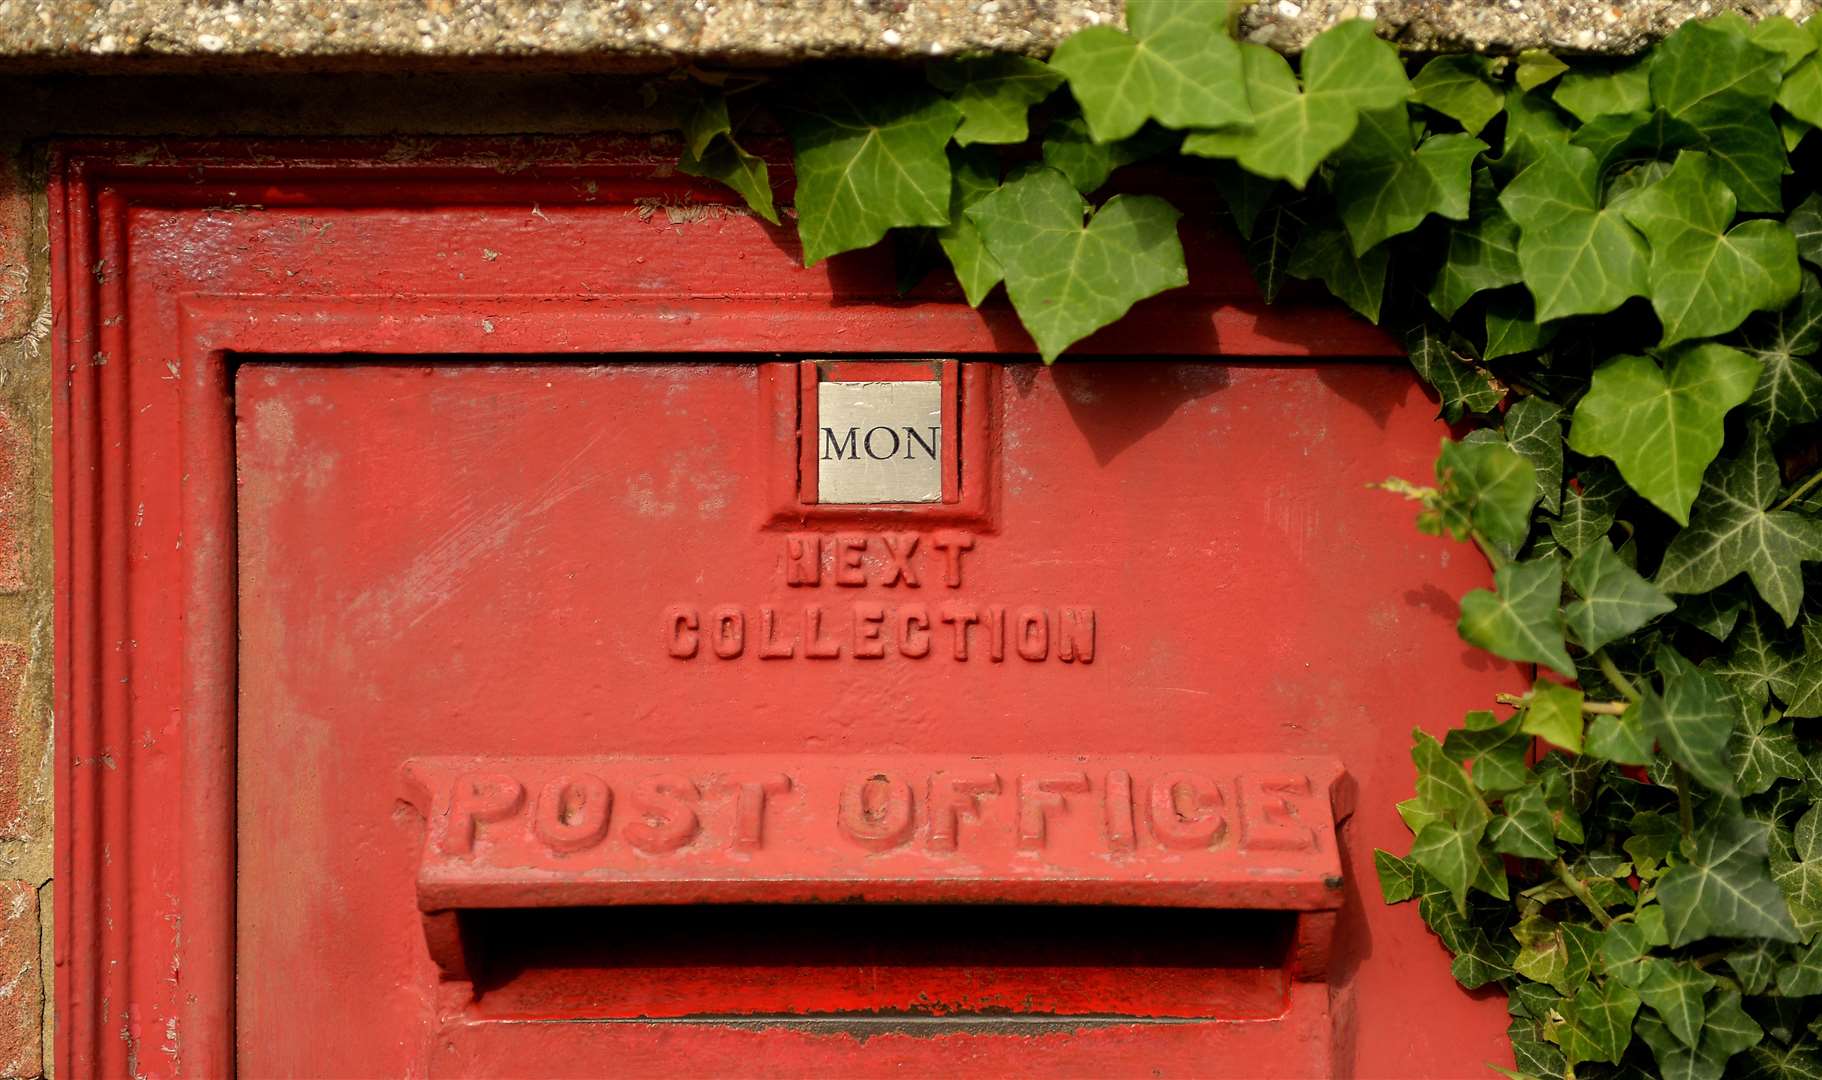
{"x": 642, "y": 34}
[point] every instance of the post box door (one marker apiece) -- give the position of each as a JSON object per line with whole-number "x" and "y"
{"x": 590, "y": 724}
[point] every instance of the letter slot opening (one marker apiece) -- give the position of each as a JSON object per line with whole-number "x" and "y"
{"x": 878, "y": 962}
{"x": 1187, "y": 887}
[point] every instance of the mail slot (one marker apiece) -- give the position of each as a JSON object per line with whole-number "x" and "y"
{"x": 706, "y": 676}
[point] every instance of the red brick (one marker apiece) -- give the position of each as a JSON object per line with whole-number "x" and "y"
{"x": 21, "y": 983}
{"x": 18, "y": 762}
{"x": 15, "y": 233}
{"x": 15, "y": 497}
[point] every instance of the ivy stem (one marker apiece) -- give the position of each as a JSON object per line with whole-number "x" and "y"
{"x": 1685, "y": 810}
{"x": 1803, "y": 489}
{"x": 1580, "y": 889}
{"x": 1619, "y": 681}
{"x": 1593, "y": 708}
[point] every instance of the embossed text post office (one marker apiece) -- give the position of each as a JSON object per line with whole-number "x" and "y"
{"x": 506, "y": 631}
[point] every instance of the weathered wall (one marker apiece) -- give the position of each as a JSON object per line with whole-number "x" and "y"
{"x": 647, "y": 34}
{"x": 158, "y": 68}
{"x": 25, "y": 618}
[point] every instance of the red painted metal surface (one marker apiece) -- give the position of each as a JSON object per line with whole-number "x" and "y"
{"x": 889, "y": 827}
{"x": 425, "y": 557}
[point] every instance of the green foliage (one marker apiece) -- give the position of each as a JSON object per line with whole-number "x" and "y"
{"x": 994, "y": 94}
{"x": 869, "y": 158}
{"x": 1346, "y": 71}
{"x": 1177, "y": 66}
{"x": 710, "y": 151}
{"x": 1068, "y": 277}
{"x": 1662, "y": 425}
{"x": 1608, "y": 270}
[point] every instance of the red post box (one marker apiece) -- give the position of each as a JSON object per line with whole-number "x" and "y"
{"x": 502, "y": 632}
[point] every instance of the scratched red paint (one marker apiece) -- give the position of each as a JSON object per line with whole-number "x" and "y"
{"x": 367, "y": 598}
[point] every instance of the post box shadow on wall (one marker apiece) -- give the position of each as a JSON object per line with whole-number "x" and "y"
{"x": 492, "y": 678}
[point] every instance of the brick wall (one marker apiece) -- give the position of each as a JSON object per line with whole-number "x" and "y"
{"x": 25, "y": 620}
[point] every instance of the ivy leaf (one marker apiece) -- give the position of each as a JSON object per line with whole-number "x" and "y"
{"x": 1725, "y": 889}
{"x": 1587, "y": 514}
{"x": 1479, "y": 255}
{"x": 1597, "y": 1024}
{"x": 1072, "y": 151}
{"x": 1450, "y": 853}
{"x": 710, "y": 152}
{"x": 1478, "y": 961}
{"x": 1533, "y": 126}
{"x": 1693, "y": 720}
{"x": 1805, "y": 223}
{"x": 1797, "y": 866}
{"x": 1654, "y": 837}
{"x": 1176, "y": 65}
{"x": 1544, "y": 949}
{"x": 1415, "y": 813}
{"x": 1706, "y": 278}
{"x": 1534, "y": 1057}
{"x": 1324, "y": 253}
{"x": 1442, "y": 786}
{"x": 1512, "y": 327}
{"x": 1675, "y": 1059}
{"x": 1346, "y": 70}
{"x": 994, "y": 94}
{"x": 1555, "y": 713}
{"x": 1396, "y": 880}
{"x": 1461, "y": 386}
{"x": 1733, "y": 532}
{"x": 1384, "y": 186}
{"x": 1800, "y": 93}
{"x": 1783, "y": 36}
{"x": 1722, "y": 85}
{"x": 1640, "y": 138}
{"x": 1713, "y": 613}
{"x": 1532, "y": 1001}
{"x": 868, "y": 159}
{"x": 1534, "y": 429}
{"x": 1728, "y": 1029}
{"x": 1461, "y": 88}
{"x": 1565, "y": 819}
{"x": 1626, "y": 952}
{"x": 1496, "y": 749}
{"x": 977, "y": 175}
{"x": 1802, "y": 976}
{"x": 1520, "y": 620}
{"x": 1578, "y": 258}
{"x": 1663, "y": 426}
{"x": 1068, "y": 277}
{"x": 1755, "y": 965}
{"x": 1615, "y": 600}
{"x": 1764, "y": 753}
{"x": 1793, "y": 130}
{"x": 1790, "y": 391}
{"x": 1537, "y": 67}
{"x": 1524, "y": 830}
{"x": 1805, "y": 697}
{"x": 1757, "y": 663}
{"x": 1593, "y": 94}
{"x": 1799, "y": 1061}
{"x": 1486, "y": 488}
{"x": 1675, "y": 988}
{"x": 1275, "y": 236}
{"x": 1245, "y": 195}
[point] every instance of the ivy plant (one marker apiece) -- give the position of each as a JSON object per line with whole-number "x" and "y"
{"x": 1607, "y": 272}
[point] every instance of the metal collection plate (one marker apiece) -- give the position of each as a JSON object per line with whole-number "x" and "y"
{"x": 879, "y": 442}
